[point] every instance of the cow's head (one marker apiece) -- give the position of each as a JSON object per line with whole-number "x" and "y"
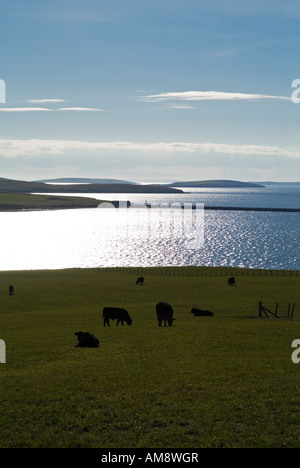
{"x": 79, "y": 335}
{"x": 129, "y": 322}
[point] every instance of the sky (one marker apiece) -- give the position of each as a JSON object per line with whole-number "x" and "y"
{"x": 150, "y": 90}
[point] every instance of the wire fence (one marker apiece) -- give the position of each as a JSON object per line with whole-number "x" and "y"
{"x": 202, "y": 272}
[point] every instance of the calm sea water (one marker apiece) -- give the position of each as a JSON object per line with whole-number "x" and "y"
{"x": 162, "y": 237}
{"x": 271, "y": 196}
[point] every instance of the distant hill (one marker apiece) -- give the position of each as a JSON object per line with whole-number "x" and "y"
{"x": 17, "y": 186}
{"x": 72, "y": 180}
{"x": 215, "y": 184}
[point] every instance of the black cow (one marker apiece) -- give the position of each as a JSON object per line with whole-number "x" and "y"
{"x": 140, "y": 281}
{"x": 231, "y": 282}
{"x": 164, "y": 313}
{"x": 86, "y": 340}
{"x": 114, "y": 313}
{"x": 201, "y": 313}
{"x": 11, "y": 290}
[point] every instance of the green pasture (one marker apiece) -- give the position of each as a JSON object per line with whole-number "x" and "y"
{"x": 226, "y": 381}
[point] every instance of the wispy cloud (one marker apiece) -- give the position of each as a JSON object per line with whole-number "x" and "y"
{"x": 41, "y": 101}
{"x": 80, "y": 109}
{"x": 15, "y": 148}
{"x": 181, "y": 107}
{"x": 68, "y": 12}
{"x": 44, "y": 109}
{"x": 24, "y": 109}
{"x": 208, "y": 96}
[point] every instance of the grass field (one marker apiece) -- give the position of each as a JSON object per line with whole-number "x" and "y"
{"x": 226, "y": 381}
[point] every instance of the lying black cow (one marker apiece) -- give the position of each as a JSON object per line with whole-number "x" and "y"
{"x": 11, "y": 290}
{"x": 86, "y": 340}
{"x": 201, "y": 313}
{"x": 231, "y": 282}
{"x": 140, "y": 281}
{"x": 164, "y": 313}
{"x": 114, "y": 313}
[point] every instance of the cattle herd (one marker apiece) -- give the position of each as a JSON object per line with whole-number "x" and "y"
{"x": 164, "y": 313}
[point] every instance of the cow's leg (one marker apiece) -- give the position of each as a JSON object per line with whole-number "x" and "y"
{"x": 106, "y": 321}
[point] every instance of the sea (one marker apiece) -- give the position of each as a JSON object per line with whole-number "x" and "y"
{"x": 162, "y": 234}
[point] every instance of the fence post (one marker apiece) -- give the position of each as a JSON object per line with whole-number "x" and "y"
{"x": 293, "y": 310}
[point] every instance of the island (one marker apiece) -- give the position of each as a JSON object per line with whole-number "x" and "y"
{"x": 216, "y": 184}
{"x": 80, "y": 180}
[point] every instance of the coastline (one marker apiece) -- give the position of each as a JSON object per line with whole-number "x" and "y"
{"x": 94, "y": 204}
{"x": 18, "y": 196}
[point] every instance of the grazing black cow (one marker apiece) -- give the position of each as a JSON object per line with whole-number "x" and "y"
{"x": 86, "y": 340}
{"x": 164, "y": 313}
{"x": 11, "y": 290}
{"x": 140, "y": 281}
{"x": 201, "y": 313}
{"x": 231, "y": 282}
{"x": 114, "y": 313}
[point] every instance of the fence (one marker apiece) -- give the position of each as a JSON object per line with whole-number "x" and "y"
{"x": 202, "y": 272}
{"x": 263, "y": 311}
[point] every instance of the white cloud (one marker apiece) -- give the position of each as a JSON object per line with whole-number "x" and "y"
{"x": 43, "y": 109}
{"x": 208, "y": 96}
{"x": 15, "y": 148}
{"x": 40, "y": 101}
{"x": 80, "y": 109}
{"x": 182, "y": 107}
{"x": 24, "y": 109}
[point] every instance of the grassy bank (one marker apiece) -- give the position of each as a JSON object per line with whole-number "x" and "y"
{"x": 21, "y": 202}
{"x": 226, "y": 381}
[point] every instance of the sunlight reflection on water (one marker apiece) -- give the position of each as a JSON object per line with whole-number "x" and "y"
{"x": 111, "y": 237}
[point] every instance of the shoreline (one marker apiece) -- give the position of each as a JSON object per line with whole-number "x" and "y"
{"x": 16, "y": 202}
{"x": 21, "y": 208}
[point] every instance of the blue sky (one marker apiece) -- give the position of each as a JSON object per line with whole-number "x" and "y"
{"x": 150, "y": 90}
